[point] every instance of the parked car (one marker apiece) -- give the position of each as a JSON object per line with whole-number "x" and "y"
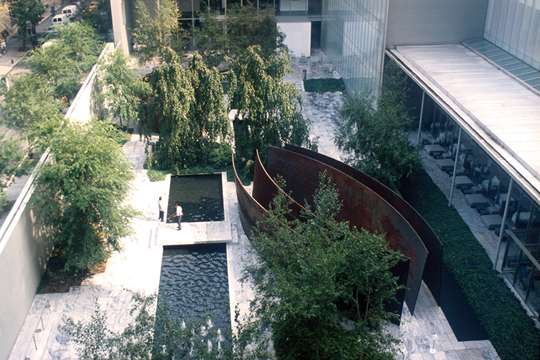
{"x": 93, "y": 5}
{"x": 69, "y": 10}
{"x": 60, "y": 19}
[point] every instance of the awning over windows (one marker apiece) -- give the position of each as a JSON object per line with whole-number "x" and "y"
{"x": 499, "y": 112}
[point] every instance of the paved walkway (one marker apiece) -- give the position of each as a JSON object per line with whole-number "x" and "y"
{"x": 426, "y": 335}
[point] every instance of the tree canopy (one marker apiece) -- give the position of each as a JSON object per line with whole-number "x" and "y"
{"x": 243, "y": 26}
{"x": 81, "y": 193}
{"x": 26, "y": 11}
{"x": 321, "y": 286}
{"x": 188, "y": 111}
{"x": 268, "y": 109}
{"x": 73, "y": 51}
{"x": 118, "y": 92}
{"x": 31, "y": 110}
{"x": 374, "y": 132}
{"x": 158, "y": 31}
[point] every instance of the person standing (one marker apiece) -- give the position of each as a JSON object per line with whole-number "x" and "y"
{"x": 161, "y": 209}
{"x": 53, "y": 10}
{"x": 178, "y": 215}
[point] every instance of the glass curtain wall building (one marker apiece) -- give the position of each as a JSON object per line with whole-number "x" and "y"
{"x": 514, "y": 26}
{"x": 189, "y": 8}
{"x": 353, "y": 38}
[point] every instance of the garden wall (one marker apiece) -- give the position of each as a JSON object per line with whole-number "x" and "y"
{"x": 24, "y": 250}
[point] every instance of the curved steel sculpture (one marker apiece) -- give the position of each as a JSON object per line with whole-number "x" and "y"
{"x": 433, "y": 267}
{"x": 362, "y": 206}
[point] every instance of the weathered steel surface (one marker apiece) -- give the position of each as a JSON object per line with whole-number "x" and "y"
{"x": 265, "y": 189}
{"x": 250, "y": 211}
{"x": 362, "y": 207}
{"x": 433, "y": 267}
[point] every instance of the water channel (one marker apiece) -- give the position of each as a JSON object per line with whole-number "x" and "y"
{"x": 200, "y": 196}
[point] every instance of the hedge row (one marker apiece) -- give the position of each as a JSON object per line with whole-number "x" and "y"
{"x": 324, "y": 85}
{"x": 511, "y": 331}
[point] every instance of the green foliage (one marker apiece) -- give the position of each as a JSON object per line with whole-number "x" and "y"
{"x": 321, "y": 286}
{"x": 81, "y": 193}
{"x": 157, "y": 175}
{"x": 25, "y": 11}
{"x": 245, "y": 26}
{"x": 189, "y": 113}
{"x": 74, "y": 51}
{"x": 11, "y": 163}
{"x": 31, "y": 110}
{"x": 117, "y": 91}
{"x": 158, "y": 33}
{"x": 497, "y": 308}
{"x": 11, "y": 157}
{"x": 154, "y": 333}
{"x": 268, "y": 109}
{"x": 324, "y": 85}
{"x": 99, "y": 18}
{"x": 375, "y": 133}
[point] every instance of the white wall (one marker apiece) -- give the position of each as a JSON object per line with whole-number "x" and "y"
{"x": 23, "y": 250}
{"x": 298, "y": 37}
{"x": 23, "y": 255}
{"x": 121, "y": 18}
{"x": 434, "y": 22}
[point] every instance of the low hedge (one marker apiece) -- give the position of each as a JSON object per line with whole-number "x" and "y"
{"x": 324, "y": 85}
{"x": 511, "y": 331}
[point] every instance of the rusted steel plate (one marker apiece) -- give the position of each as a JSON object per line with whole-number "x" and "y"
{"x": 265, "y": 189}
{"x": 362, "y": 207}
{"x": 433, "y": 267}
{"x": 250, "y": 211}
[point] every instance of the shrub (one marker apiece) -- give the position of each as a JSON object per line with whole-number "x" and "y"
{"x": 509, "y": 329}
{"x": 324, "y": 85}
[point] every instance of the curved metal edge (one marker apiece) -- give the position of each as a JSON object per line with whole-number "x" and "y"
{"x": 250, "y": 211}
{"x": 265, "y": 189}
{"x": 433, "y": 266}
{"x": 362, "y": 207}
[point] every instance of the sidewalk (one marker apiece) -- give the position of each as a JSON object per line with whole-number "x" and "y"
{"x": 8, "y": 62}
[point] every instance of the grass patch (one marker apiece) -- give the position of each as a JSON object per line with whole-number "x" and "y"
{"x": 509, "y": 328}
{"x": 157, "y": 175}
{"x": 324, "y": 85}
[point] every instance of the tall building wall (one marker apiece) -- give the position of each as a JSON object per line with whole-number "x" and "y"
{"x": 353, "y": 36}
{"x": 435, "y": 22}
{"x": 514, "y": 26}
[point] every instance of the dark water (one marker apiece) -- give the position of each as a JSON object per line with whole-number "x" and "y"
{"x": 194, "y": 278}
{"x": 200, "y": 196}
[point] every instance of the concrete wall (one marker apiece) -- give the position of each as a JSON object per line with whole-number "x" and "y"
{"x": 298, "y": 36}
{"x": 433, "y": 22}
{"x": 121, "y": 18}
{"x": 24, "y": 251}
{"x": 23, "y": 256}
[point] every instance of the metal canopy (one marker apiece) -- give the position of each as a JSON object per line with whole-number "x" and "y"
{"x": 499, "y": 112}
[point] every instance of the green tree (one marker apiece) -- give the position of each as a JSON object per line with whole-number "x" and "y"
{"x": 155, "y": 333}
{"x": 156, "y": 33}
{"x": 11, "y": 163}
{"x": 244, "y": 26}
{"x": 26, "y": 12}
{"x": 31, "y": 110}
{"x": 188, "y": 111}
{"x": 118, "y": 92}
{"x": 268, "y": 109}
{"x": 375, "y": 132}
{"x": 73, "y": 52}
{"x": 98, "y": 18}
{"x": 81, "y": 193}
{"x": 321, "y": 286}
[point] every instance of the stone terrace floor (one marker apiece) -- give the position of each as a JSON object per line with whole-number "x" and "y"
{"x": 425, "y": 336}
